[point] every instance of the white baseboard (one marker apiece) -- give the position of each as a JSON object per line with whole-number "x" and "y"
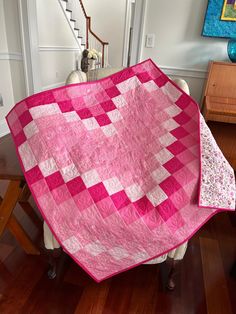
{"x": 16, "y": 56}
{"x": 4, "y": 129}
{"x": 51, "y": 86}
{"x": 184, "y": 72}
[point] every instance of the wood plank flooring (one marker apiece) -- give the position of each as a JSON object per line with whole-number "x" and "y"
{"x": 204, "y": 281}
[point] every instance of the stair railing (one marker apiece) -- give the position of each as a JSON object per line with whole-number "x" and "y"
{"x": 93, "y": 41}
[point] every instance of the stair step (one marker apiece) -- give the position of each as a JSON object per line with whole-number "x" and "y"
{"x": 68, "y": 10}
{"x": 73, "y": 20}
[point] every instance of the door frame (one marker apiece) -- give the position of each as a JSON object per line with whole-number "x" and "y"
{"x": 138, "y": 31}
{"x": 30, "y": 43}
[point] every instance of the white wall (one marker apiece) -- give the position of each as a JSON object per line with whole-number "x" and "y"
{"x": 180, "y": 49}
{"x": 11, "y": 69}
{"x": 108, "y": 22}
{"x": 58, "y": 49}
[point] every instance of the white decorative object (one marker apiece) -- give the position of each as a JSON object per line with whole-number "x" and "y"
{"x": 76, "y": 77}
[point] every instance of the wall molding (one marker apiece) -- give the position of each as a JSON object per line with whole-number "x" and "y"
{"x": 184, "y": 72}
{"x": 4, "y": 129}
{"x": 58, "y": 48}
{"x": 51, "y": 86}
{"x": 16, "y": 56}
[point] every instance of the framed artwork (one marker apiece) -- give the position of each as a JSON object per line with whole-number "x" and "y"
{"x": 229, "y": 10}
{"x": 220, "y": 19}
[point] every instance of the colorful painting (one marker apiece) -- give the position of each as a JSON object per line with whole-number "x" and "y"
{"x": 220, "y": 19}
{"x": 229, "y": 10}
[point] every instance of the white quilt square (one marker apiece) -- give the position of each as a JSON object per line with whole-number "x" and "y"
{"x": 90, "y": 178}
{"x": 173, "y": 110}
{"x": 134, "y": 192}
{"x": 119, "y": 101}
{"x": 27, "y": 156}
{"x": 48, "y": 167}
{"x": 118, "y": 253}
{"x": 69, "y": 172}
{"x": 167, "y": 139}
{"x": 163, "y": 156}
{"x": 44, "y": 110}
{"x": 90, "y": 123}
{"x": 30, "y": 129}
{"x": 95, "y": 248}
{"x": 112, "y": 185}
{"x": 71, "y": 116}
{"x": 114, "y": 115}
{"x": 160, "y": 174}
{"x": 72, "y": 245}
{"x": 157, "y": 196}
{"x": 109, "y": 130}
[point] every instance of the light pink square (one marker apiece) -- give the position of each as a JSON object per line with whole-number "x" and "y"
{"x": 40, "y": 188}
{"x": 129, "y": 214}
{"x": 153, "y": 219}
{"x": 83, "y": 200}
{"x": 61, "y": 194}
{"x": 106, "y": 207}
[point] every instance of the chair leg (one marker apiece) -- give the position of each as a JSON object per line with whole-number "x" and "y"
{"x": 171, "y": 275}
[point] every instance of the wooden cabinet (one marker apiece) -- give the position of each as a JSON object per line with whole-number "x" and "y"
{"x": 219, "y": 107}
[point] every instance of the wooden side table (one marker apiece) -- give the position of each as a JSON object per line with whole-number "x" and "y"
{"x": 219, "y": 107}
{"x": 17, "y": 192}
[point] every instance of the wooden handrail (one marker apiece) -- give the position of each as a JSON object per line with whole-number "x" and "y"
{"x": 88, "y": 18}
{"x": 89, "y": 25}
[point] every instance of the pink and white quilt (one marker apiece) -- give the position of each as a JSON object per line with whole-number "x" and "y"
{"x": 123, "y": 169}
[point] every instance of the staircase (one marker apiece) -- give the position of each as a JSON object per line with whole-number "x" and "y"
{"x": 80, "y": 24}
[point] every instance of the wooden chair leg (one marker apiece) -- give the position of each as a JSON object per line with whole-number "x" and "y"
{"x": 28, "y": 209}
{"x": 20, "y": 235}
{"x": 8, "y": 203}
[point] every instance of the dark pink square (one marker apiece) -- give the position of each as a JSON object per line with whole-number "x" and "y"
{"x": 76, "y": 186}
{"x": 176, "y": 148}
{"x": 179, "y": 132}
{"x": 65, "y": 105}
{"x": 98, "y": 192}
{"x": 103, "y": 119}
{"x": 170, "y": 185}
{"x": 84, "y": 113}
{"x": 161, "y": 80}
{"x": 108, "y": 105}
{"x": 25, "y": 118}
{"x": 182, "y": 118}
{"x": 34, "y": 175}
{"x": 106, "y": 207}
{"x": 122, "y": 76}
{"x": 173, "y": 165}
{"x": 144, "y": 77}
{"x": 54, "y": 180}
{"x": 40, "y": 99}
{"x": 143, "y": 205}
{"x": 113, "y": 91}
{"x": 166, "y": 209}
{"x": 120, "y": 199}
{"x": 20, "y": 138}
{"x": 183, "y": 101}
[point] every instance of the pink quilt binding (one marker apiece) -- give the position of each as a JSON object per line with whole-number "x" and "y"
{"x": 123, "y": 169}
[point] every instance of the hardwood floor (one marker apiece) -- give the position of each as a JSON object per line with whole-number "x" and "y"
{"x": 204, "y": 283}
